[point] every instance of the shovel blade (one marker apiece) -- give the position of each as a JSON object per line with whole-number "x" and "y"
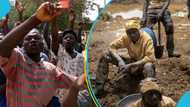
{"x": 159, "y": 51}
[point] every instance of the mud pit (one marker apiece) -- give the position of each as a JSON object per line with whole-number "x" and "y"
{"x": 173, "y": 74}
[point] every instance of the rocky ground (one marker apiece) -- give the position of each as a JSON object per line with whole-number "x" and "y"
{"x": 173, "y": 74}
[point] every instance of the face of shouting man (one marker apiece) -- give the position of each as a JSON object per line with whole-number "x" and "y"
{"x": 69, "y": 40}
{"x": 33, "y": 43}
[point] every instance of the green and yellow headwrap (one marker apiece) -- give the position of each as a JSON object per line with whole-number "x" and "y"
{"x": 133, "y": 23}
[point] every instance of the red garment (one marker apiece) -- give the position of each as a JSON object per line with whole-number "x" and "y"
{"x": 31, "y": 84}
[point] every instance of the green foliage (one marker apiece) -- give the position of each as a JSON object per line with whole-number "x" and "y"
{"x": 63, "y": 21}
{"x": 31, "y": 5}
{"x": 105, "y": 16}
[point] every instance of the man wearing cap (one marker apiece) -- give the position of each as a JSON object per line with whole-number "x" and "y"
{"x": 31, "y": 81}
{"x": 157, "y": 10}
{"x": 152, "y": 96}
{"x": 138, "y": 63}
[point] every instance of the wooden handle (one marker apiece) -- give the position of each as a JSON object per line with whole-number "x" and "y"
{"x": 159, "y": 32}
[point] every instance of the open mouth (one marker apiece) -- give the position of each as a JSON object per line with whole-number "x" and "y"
{"x": 33, "y": 45}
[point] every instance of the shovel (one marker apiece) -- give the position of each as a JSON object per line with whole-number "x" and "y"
{"x": 159, "y": 48}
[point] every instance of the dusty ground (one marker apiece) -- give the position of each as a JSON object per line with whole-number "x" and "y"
{"x": 173, "y": 74}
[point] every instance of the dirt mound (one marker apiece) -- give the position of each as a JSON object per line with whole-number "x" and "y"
{"x": 173, "y": 75}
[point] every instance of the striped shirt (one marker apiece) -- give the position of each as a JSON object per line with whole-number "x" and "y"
{"x": 31, "y": 84}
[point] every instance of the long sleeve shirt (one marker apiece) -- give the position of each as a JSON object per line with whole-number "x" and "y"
{"x": 143, "y": 49}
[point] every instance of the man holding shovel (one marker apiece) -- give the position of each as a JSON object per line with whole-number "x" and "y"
{"x": 156, "y": 11}
{"x": 139, "y": 64}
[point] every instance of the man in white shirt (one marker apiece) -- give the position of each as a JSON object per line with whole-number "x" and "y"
{"x": 71, "y": 62}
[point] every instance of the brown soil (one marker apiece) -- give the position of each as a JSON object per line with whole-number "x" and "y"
{"x": 173, "y": 74}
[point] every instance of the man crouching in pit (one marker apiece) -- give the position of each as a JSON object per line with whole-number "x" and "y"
{"x": 139, "y": 64}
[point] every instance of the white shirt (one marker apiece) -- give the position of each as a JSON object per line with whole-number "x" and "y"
{"x": 73, "y": 66}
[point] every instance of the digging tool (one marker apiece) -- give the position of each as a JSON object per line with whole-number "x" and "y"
{"x": 159, "y": 48}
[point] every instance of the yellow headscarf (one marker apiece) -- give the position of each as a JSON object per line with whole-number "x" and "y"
{"x": 132, "y": 23}
{"x": 149, "y": 85}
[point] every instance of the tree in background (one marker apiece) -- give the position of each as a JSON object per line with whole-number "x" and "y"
{"x": 25, "y": 8}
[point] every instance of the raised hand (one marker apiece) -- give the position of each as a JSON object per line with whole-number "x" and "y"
{"x": 48, "y": 11}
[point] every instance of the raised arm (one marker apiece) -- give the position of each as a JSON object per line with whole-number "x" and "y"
{"x": 55, "y": 37}
{"x": 16, "y": 35}
{"x": 45, "y": 12}
{"x": 71, "y": 97}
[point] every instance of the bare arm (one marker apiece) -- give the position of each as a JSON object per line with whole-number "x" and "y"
{"x": 16, "y": 35}
{"x": 46, "y": 12}
{"x": 46, "y": 34}
{"x": 55, "y": 37}
{"x": 71, "y": 97}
